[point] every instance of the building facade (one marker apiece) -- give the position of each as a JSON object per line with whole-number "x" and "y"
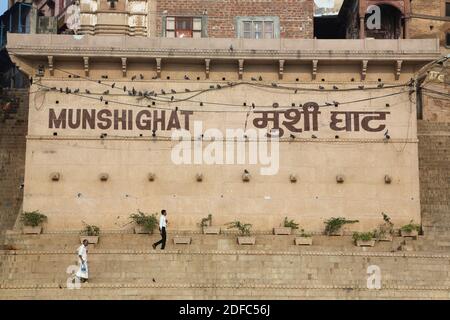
{"x": 104, "y": 106}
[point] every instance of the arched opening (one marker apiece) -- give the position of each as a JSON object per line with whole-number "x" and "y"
{"x": 391, "y": 23}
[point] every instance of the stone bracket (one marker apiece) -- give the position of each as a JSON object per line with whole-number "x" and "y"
{"x": 398, "y": 69}
{"x": 364, "y": 65}
{"x": 86, "y": 66}
{"x": 315, "y": 64}
{"x": 158, "y": 67}
{"x": 50, "y": 65}
{"x": 124, "y": 67}
{"x": 281, "y": 69}
{"x": 241, "y": 69}
{"x": 207, "y": 64}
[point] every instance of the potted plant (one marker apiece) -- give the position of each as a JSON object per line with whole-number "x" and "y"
{"x": 303, "y": 239}
{"x": 288, "y": 226}
{"x": 333, "y": 226}
{"x": 364, "y": 239}
{"x": 144, "y": 224}
{"x": 410, "y": 230}
{"x": 90, "y": 233}
{"x": 32, "y": 222}
{"x": 206, "y": 225}
{"x": 244, "y": 231}
{"x": 385, "y": 231}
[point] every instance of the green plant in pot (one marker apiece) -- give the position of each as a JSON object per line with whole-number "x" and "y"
{"x": 385, "y": 231}
{"x": 364, "y": 239}
{"x": 144, "y": 224}
{"x": 333, "y": 226}
{"x": 207, "y": 227}
{"x": 410, "y": 230}
{"x": 32, "y": 222}
{"x": 304, "y": 239}
{"x": 286, "y": 229}
{"x": 244, "y": 232}
{"x": 90, "y": 233}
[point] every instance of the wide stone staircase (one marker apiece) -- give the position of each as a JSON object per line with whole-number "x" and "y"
{"x": 124, "y": 266}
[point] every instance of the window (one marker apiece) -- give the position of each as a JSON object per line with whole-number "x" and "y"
{"x": 447, "y": 9}
{"x": 447, "y": 39}
{"x": 183, "y": 27}
{"x": 257, "y": 27}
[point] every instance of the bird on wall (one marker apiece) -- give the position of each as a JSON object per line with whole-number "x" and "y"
{"x": 106, "y": 92}
{"x": 173, "y": 91}
{"x": 253, "y": 79}
{"x": 113, "y": 85}
{"x": 231, "y": 48}
{"x": 163, "y": 92}
{"x": 124, "y": 88}
{"x": 154, "y": 77}
{"x": 292, "y": 136}
{"x": 87, "y": 91}
{"x": 274, "y": 84}
{"x": 260, "y": 78}
{"x": 314, "y": 137}
{"x": 101, "y": 98}
{"x": 211, "y": 87}
{"x": 386, "y": 135}
{"x": 186, "y": 77}
{"x": 336, "y": 104}
{"x": 246, "y": 171}
{"x": 328, "y": 104}
{"x": 187, "y": 90}
{"x": 219, "y": 86}
{"x": 381, "y": 85}
{"x": 321, "y": 87}
{"x": 253, "y": 106}
{"x": 133, "y": 78}
{"x": 171, "y": 98}
{"x": 133, "y": 91}
{"x": 361, "y": 87}
{"x": 104, "y": 76}
{"x": 141, "y": 76}
{"x": 68, "y": 90}
{"x": 76, "y": 90}
{"x": 335, "y": 87}
{"x": 275, "y": 105}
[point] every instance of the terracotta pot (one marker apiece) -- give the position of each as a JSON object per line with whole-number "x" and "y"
{"x": 303, "y": 241}
{"x": 282, "y": 231}
{"x": 182, "y": 240}
{"x": 90, "y": 239}
{"x": 246, "y": 240}
{"x": 364, "y": 243}
{"x": 211, "y": 230}
{"x": 31, "y": 230}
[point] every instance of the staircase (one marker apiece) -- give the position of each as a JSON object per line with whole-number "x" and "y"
{"x": 123, "y": 266}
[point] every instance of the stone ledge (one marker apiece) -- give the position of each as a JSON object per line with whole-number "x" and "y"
{"x": 220, "y": 286}
{"x": 232, "y": 252}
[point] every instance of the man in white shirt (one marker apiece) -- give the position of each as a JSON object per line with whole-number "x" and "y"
{"x": 82, "y": 272}
{"x": 162, "y": 228}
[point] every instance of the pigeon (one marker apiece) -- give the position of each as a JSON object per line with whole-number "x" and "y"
{"x": 335, "y": 88}
{"x": 141, "y": 76}
{"x": 155, "y": 77}
{"x": 173, "y": 91}
{"x": 361, "y": 87}
{"x": 386, "y": 135}
{"x": 171, "y": 98}
{"x": 321, "y": 87}
{"x": 87, "y": 91}
{"x": 314, "y": 137}
{"x": 101, "y": 98}
{"x": 260, "y": 78}
{"x": 253, "y": 79}
{"x": 381, "y": 85}
{"x": 274, "y": 84}
{"x": 292, "y": 136}
{"x": 201, "y": 104}
{"x": 124, "y": 88}
{"x": 219, "y": 86}
{"x": 106, "y": 92}
{"x": 246, "y": 171}
{"x": 187, "y": 90}
{"x": 76, "y": 90}
{"x": 336, "y": 104}
{"x": 133, "y": 78}
{"x": 163, "y": 92}
{"x": 186, "y": 77}
{"x": 253, "y": 106}
{"x": 113, "y": 85}
{"x": 231, "y": 48}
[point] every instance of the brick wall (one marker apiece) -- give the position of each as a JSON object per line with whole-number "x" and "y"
{"x": 434, "y": 166}
{"x": 422, "y": 28}
{"x": 296, "y": 16}
{"x": 13, "y": 130}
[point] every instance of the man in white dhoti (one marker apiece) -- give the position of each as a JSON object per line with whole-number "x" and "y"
{"x": 82, "y": 272}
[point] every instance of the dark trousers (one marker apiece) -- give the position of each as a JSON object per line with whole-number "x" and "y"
{"x": 163, "y": 239}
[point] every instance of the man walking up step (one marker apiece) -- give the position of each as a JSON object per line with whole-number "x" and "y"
{"x": 162, "y": 229}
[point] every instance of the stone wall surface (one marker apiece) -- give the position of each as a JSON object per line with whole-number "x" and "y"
{"x": 13, "y": 130}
